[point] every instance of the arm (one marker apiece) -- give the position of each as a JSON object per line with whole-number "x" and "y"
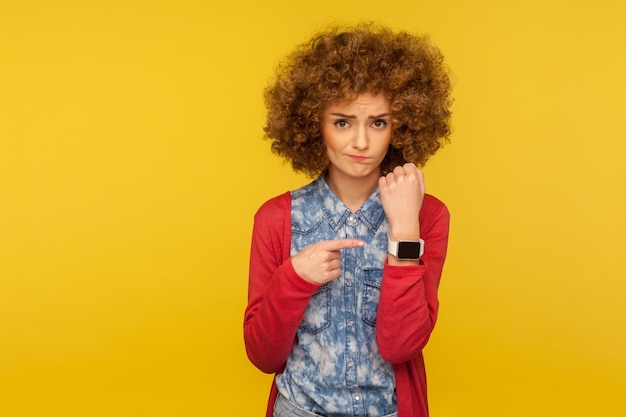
{"x": 277, "y": 296}
{"x": 280, "y": 287}
{"x": 408, "y": 306}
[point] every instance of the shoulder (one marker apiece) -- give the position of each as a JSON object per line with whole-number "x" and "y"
{"x": 278, "y": 207}
{"x": 432, "y": 202}
{"x": 274, "y": 209}
{"x": 433, "y": 208}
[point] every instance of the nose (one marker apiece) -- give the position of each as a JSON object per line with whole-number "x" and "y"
{"x": 360, "y": 140}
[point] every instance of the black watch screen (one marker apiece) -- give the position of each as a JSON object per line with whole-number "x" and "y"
{"x": 409, "y": 250}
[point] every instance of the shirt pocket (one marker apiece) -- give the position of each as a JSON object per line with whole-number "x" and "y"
{"x": 317, "y": 313}
{"x": 371, "y": 294}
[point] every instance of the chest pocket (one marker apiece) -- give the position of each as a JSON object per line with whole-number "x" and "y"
{"x": 371, "y": 294}
{"x": 317, "y": 313}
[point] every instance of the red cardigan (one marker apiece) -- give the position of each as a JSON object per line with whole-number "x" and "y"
{"x": 407, "y": 310}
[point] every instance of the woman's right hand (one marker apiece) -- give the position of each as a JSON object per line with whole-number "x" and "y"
{"x": 319, "y": 262}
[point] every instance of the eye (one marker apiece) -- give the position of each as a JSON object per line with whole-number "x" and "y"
{"x": 342, "y": 123}
{"x": 379, "y": 124}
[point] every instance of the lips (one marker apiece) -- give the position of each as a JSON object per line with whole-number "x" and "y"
{"x": 357, "y": 158}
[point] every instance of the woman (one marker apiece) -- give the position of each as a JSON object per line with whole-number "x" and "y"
{"x": 344, "y": 271}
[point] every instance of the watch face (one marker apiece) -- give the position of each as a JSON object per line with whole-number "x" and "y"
{"x": 408, "y": 250}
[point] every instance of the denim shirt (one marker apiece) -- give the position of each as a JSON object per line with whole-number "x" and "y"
{"x": 335, "y": 368}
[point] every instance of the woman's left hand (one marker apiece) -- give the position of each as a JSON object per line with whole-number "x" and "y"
{"x": 402, "y": 192}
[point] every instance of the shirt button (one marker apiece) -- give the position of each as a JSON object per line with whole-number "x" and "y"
{"x": 351, "y": 217}
{"x": 350, "y": 322}
{"x": 351, "y": 363}
{"x": 349, "y": 283}
{"x": 357, "y": 397}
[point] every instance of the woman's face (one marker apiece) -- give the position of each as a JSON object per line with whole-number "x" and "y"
{"x": 357, "y": 134}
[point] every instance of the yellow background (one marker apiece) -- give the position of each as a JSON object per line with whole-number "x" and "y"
{"x": 131, "y": 164}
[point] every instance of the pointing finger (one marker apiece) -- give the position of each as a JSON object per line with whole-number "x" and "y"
{"x": 339, "y": 244}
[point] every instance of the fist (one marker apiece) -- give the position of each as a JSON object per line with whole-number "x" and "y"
{"x": 320, "y": 262}
{"x": 402, "y": 193}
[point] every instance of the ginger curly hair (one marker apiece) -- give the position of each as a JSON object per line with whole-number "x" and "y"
{"x": 339, "y": 64}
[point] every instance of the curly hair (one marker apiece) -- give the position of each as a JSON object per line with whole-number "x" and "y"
{"x": 341, "y": 64}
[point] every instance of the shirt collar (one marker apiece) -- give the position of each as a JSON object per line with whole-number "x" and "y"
{"x": 371, "y": 213}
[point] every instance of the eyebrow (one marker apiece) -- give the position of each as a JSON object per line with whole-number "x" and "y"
{"x": 352, "y": 116}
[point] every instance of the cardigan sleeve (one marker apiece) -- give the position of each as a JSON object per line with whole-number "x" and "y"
{"x": 277, "y": 295}
{"x": 408, "y": 305}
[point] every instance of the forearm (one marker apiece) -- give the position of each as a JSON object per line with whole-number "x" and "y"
{"x": 405, "y": 317}
{"x": 273, "y": 316}
{"x": 408, "y": 304}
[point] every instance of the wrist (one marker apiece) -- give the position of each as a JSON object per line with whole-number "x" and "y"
{"x": 405, "y": 249}
{"x": 404, "y": 233}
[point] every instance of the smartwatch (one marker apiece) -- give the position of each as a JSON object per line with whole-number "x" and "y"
{"x": 406, "y": 249}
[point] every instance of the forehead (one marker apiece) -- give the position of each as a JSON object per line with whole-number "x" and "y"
{"x": 361, "y": 103}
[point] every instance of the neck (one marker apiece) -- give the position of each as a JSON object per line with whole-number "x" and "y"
{"x": 352, "y": 192}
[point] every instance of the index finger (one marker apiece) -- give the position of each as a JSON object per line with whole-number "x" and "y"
{"x": 339, "y": 244}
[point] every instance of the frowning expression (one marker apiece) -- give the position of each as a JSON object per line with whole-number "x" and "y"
{"x": 357, "y": 134}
